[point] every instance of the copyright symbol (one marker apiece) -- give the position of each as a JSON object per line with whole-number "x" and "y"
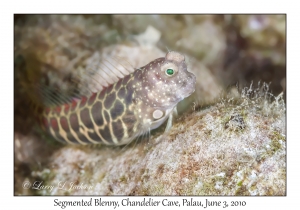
{"x": 26, "y": 185}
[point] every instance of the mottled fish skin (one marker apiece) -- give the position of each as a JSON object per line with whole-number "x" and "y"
{"x": 137, "y": 103}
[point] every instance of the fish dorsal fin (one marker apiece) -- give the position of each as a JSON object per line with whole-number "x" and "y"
{"x": 102, "y": 71}
{"x": 83, "y": 77}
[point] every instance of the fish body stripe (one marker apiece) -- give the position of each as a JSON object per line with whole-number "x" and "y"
{"x": 101, "y": 118}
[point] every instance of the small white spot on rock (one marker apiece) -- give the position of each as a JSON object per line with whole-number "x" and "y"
{"x": 222, "y": 174}
{"x": 219, "y": 185}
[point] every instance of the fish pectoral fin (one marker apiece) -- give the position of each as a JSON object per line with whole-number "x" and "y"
{"x": 169, "y": 123}
{"x": 170, "y": 120}
{"x": 175, "y": 111}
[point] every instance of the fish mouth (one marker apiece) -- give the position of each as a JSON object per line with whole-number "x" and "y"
{"x": 191, "y": 91}
{"x": 186, "y": 89}
{"x": 191, "y": 86}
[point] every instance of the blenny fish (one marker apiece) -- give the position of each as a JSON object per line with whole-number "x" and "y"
{"x": 124, "y": 109}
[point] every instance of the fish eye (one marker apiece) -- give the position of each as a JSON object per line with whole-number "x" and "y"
{"x": 169, "y": 72}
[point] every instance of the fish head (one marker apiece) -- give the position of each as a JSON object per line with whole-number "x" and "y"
{"x": 166, "y": 81}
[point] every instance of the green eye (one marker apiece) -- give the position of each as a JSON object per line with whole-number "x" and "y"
{"x": 169, "y": 72}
